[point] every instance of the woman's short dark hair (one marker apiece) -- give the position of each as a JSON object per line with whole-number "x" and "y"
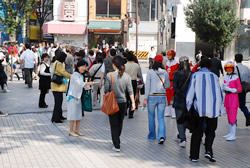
{"x": 205, "y": 63}
{"x": 157, "y": 65}
{"x": 44, "y": 56}
{"x": 60, "y": 55}
{"x": 130, "y": 56}
{"x": 81, "y": 62}
{"x": 119, "y": 63}
{"x": 82, "y": 53}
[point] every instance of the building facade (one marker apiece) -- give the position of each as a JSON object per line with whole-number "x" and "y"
{"x": 69, "y": 26}
{"x": 105, "y": 19}
{"x": 148, "y": 26}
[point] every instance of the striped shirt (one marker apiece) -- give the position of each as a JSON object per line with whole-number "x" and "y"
{"x": 204, "y": 92}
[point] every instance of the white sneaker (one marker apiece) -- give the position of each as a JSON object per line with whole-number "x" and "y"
{"x": 116, "y": 149}
{"x": 167, "y": 115}
{"x": 6, "y": 91}
{"x": 182, "y": 144}
{"x": 231, "y": 138}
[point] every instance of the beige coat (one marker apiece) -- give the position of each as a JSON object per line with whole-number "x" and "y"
{"x": 60, "y": 70}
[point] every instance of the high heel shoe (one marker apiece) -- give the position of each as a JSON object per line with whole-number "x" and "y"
{"x": 79, "y": 133}
{"x": 63, "y": 118}
{"x": 73, "y": 134}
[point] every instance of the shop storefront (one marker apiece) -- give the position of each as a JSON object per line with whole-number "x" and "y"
{"x": 105, "y": 22}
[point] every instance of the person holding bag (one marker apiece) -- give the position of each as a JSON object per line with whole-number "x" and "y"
{"x": 75, "y": 90}
{"x": 180, "y": 85}
{"x": 155, "y": 97}
{"x": 119, "y": 82}
{"x": 58, "y": 87}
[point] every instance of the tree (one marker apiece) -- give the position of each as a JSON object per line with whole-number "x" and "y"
{"x": 15, "y": 14}
{"x": 213, "y": 21}
{"x": 43, "y": 9}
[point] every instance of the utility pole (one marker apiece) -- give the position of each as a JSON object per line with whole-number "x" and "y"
{"x": 137, "y": 21}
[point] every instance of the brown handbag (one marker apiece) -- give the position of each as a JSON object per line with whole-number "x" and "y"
{"x": 110, "y": 105}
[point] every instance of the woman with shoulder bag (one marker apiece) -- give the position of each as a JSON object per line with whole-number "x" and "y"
{"x": 180, "y": 85}
{"x": 74, "y": 105}
{"x": 58, "y": 89}
{"x": 121, "y": 84}
{"x": 44, "y": 80}
{"x": 155, "y": 97}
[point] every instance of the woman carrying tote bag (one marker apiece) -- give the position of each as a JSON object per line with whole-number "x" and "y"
{"x": 121, "y": 84}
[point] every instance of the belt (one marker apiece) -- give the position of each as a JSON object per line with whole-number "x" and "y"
{"x": 158, "y": 94}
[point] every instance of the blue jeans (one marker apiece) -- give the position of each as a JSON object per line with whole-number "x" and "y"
{"x": 158, "y": 102}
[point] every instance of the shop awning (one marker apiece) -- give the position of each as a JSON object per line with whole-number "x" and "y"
{"x": 104, "y": 26}
{"x": 58, "y": 27}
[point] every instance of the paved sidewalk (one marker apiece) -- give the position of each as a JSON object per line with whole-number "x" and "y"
{"x": 31, "y": 140}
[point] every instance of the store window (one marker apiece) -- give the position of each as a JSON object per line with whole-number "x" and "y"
{"x": 147, "y": 10}
{"x": 108, "y": 9}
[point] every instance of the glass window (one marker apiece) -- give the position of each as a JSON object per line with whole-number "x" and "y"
{"x": 108, "y": 8}
{"x": 115, "y": 7}
{"x": 144, "y": 8}
{"x": 101, "y": 7}
{"x": 153, "y": 11}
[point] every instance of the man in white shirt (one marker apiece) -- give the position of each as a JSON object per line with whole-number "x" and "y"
{"x": 28, "y": 57}
{"x": 151, "y": 56}
{"x": 244, "y": 73}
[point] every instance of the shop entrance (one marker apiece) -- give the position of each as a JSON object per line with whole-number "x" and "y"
{"x": 102, "y": 39}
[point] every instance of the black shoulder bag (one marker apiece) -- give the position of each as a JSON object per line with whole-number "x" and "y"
{"x": 56, "y": 78}
{"x": 93, "y": 76}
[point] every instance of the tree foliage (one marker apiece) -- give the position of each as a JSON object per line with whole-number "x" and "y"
{"x": 15, "y": 14}
{"x": 43, "y": 9}
{"x": 213, "y": 21}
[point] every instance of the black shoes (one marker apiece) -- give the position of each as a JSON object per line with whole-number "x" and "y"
{"x": 57, "y": 121}
{"x": 209, "y": 157}
{"x": 63, "y": 118}
{"x": 44, "y": 106}
{"x": 162, "y": 140}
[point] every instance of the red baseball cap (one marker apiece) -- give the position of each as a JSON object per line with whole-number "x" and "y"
{"x": 158, "y": 58}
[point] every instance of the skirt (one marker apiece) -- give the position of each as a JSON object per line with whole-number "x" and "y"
{"x": 74, "y": 109}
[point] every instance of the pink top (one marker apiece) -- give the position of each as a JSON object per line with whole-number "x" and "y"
{"x": 232, "y": 100}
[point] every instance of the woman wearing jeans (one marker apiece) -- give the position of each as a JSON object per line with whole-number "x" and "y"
{"x": 155, "y": 97}
{"x": 122, "y": 83}
{"x": 180, "y": 85}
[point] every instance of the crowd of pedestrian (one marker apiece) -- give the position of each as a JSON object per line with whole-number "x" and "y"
{"x": 193, "y": 95}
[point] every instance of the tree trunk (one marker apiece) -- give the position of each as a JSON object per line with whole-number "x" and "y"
{"x": 40, "y": 34}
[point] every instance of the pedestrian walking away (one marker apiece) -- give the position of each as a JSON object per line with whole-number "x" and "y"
{"x": 74, "y": 102}
{"x": 180, "y": 85}
{"x": 216, "y": 65}
{"x": 244, "y": 74}
{"x": 231, "y": 87}
{"x": 122, "y": 82}
{"x": 155, "y": 98}
{"x": 203, "y": 90}
{"x": 132, "y": 69}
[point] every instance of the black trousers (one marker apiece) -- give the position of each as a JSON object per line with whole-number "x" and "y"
{"x": 28, "y": 76}
{"x": 151, "y": 62}
{"x": 57, "y": 112}
{"x": 129, "y": 102}
{"x": 116, "y": 122}
{"x": 42, "y": 98}
{"x": 211, "y": 126}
